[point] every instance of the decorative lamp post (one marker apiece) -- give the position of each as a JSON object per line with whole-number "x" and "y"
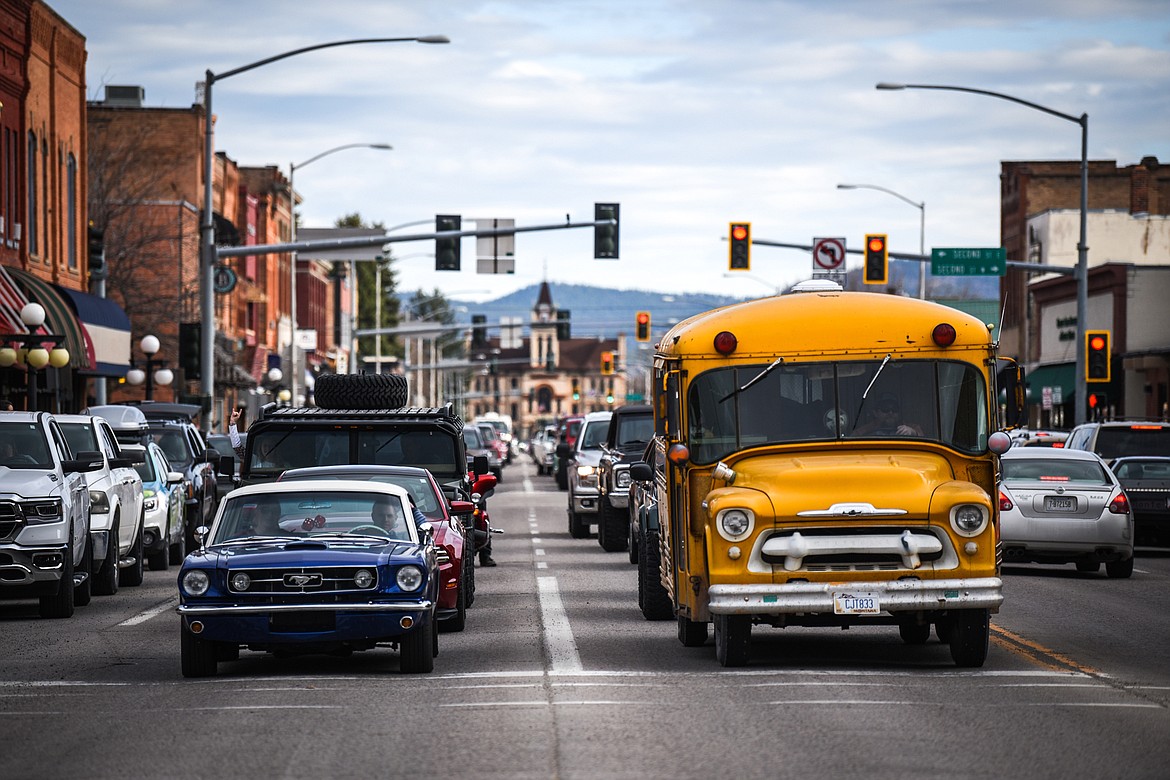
{"x": 156, "y": 371}
{"x": 34, "y": 350}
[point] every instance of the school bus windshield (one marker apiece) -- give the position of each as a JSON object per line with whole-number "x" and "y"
{"x": 736, "y": 407}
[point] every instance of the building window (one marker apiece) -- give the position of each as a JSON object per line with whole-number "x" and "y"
{"x": 33, "y": 247}
{"x": 71, "y": 209}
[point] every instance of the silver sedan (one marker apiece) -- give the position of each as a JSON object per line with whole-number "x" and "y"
{"x": 1064, "y": 506}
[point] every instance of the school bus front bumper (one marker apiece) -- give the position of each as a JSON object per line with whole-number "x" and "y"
{"x": 856, "y": 598}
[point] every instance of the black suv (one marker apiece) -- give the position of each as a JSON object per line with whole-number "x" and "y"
{"x": 1118, "y": 438}
{"x": 630, "y": 430}
{"x": 381, "y": 433}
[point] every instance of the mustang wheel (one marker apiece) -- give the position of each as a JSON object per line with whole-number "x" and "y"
{"x": 417, "y": 649}
{"x": 199, "y": 656}
{"x": 459, "y": 620}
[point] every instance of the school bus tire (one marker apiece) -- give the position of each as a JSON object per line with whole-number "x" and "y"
{"x": 733, "y": 639}
{"x": 691, "y": 633}
{"x": 653, "y": 599}
{"x": 970, "y": 632}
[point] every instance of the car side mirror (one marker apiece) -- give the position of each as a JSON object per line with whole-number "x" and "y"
{"x": 479, "y": 464}
{"x": 226, "y": 465}
{"x": 427, "y": 532}
{"x": 563, "y": 450}
{"x": 462, "y": 507}
{"x": 175, "y": 478}
{"x": 122, "y": 463}
{"x": 641, "y": 471}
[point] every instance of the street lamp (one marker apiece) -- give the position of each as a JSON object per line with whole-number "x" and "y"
{"x": 207, "y": 228}
{"x": 36, "y": 350}
{"x": 163, "y": 375}
{"x": 292, "y": 298}
{"x": 1082, "y": 269}
{"x": 921, "y": 227}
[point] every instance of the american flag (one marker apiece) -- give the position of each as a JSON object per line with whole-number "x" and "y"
{"x": 11, "y": 302}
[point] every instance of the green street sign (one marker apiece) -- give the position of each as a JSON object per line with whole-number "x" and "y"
{"x": 990, "y": 261}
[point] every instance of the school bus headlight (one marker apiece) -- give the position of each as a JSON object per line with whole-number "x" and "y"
{"x": 735, "y": 524}
{"x": 968, "y": 519}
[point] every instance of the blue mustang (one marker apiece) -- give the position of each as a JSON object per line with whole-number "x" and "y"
{"x": 310, "y": 567}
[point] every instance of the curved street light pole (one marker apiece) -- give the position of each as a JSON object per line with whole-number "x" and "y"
{"x": 776, "y": 289}
{"x": 292, "y": 274}
{"x": 921, "y": 227}
{"x": 1082, "y": 269}
{"x": 207, "y": 226}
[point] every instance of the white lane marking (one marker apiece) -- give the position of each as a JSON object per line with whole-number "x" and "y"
{"x": 528, "y": 486}
{"x": 142, "y": 617}
{"x": 558, "y": 634}
{"x": 537, "y": 540}
{"x": 538, "y": 551}
{"x": 542, "y": 564}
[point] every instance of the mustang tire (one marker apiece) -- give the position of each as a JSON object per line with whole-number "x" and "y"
{"x": 200, "y": 657}
{"x": 417, "y": 650}
{"x": 360, "y": 391}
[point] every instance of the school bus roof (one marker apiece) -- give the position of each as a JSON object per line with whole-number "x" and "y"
{"x": 824, "y": 323}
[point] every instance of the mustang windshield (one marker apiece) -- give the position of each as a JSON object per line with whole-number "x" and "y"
{"x": 933, "y": 400}
{"x": 322, "y": 512}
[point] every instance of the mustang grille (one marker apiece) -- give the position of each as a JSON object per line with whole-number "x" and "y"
{"x": 314, "y": 580}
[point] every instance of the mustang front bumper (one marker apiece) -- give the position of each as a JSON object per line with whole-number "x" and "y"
{"x": 293, "y": 623}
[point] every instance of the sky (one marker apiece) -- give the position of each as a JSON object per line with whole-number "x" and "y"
{"x": 689, "y": 113}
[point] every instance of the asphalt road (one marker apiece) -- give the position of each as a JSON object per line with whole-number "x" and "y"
{"x": 558, "y": 676}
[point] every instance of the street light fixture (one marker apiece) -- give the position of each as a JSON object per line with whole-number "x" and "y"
{"x": 207, "y": 227}
{"x": 292, "y": 170}
{"x": 36, "y": 350}
{"x": 1082, "y": 269}
{"x": 162, "y": 376}
{"x": 921, "y": 227}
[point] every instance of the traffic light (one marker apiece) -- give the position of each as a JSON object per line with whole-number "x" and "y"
{"x": 478, "y": 330}
{"x": 739, "y": 257}
{"x": 1097, "y": 404}
{"x": 605, "y": 237}
{"x": 877, "y": 259}
{"x": 97, "y": 249}
{"x": 564, "y": 328}
{"x": 191, "y": 350}
{"x": 642, "y": 326}
{"x": 607, "y": 363}
{"x": 447, "y": 249}
{"x": 1097, "y": 356}
{"x": 576, "y": 389}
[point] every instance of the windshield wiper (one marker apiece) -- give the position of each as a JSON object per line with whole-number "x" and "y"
{"x": 757, "y": 378}
{"x": 865, "y": 395}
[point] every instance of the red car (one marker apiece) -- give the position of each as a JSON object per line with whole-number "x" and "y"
{"x": 567, "y": 430}
{"x": 456, "y": 551}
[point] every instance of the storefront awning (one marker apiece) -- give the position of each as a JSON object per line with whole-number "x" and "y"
{"x": 1057, "y": 375}
{"x": 12, "y": 300}
{"x": 107, "y": 328}
{"x": 59, "y": 316}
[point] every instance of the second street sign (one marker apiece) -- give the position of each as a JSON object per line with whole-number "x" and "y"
{"x": 968, "y": 262}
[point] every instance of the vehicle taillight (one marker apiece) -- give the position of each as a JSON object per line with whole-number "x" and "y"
{"x": 1005, "y": 503}
{"x": 726, "y": 342}
{"x": 943, "y": 334}
{"x": 1119, "y": 505}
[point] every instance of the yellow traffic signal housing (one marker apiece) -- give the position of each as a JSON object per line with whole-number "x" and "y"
{"x": 607, "y": 363}
{"x": 740, "y": 254}
{"x": 1097, "y": 354}
{"x": 642, "y": 326}
{"x": 877, "y": 259}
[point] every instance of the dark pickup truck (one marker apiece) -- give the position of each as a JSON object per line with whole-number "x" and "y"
{"x": 630, "y": 429}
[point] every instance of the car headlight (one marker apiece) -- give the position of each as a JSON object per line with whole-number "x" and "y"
{"x": 99, "y": 503}
{"x": 196, "y": 582}
{"x": 968, "y": 519}
{"x": 735, "y": 524}
{"x": 149, "y": 500}
{"x": 586, "y": 471}
{"x": 364, "y": 578}
{"x": 241, "y": 581}
{"x": 409, "y": 578}
{"x": 38, "y": 512}
{"x": 621, "y": 479}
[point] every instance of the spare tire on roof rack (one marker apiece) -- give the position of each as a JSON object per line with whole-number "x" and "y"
{"x": 360, "y": 391}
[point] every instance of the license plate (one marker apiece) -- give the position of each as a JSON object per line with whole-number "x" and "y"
{"x": 1060, "y": 504}
{"x": 855, "y": 603}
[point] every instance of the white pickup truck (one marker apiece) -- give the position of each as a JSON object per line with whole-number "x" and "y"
{"x": 116, "y": 512}
{"x": 45, "y": 549}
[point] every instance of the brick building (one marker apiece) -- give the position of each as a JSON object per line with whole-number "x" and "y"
{"x": 534, "y": 378}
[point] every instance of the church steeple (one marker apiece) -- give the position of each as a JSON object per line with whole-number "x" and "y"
{"x": 544, "y": 351}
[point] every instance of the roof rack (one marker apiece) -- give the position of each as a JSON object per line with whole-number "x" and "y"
{"x": 312, "y": 413}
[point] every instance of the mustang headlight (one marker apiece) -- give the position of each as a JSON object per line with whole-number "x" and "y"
{"x": 409, "y": 578}
{"x": 968, "y": 519}
{"x": 364, "y": 578}
{"x": 196, "y": 582}
{"x": 735, "y": 524}
{"x": 241, "y": 581}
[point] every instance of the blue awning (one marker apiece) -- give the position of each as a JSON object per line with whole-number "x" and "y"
{"x": 107, "y": 328}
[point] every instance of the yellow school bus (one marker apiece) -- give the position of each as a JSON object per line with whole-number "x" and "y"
{"x": 830, "y": 460}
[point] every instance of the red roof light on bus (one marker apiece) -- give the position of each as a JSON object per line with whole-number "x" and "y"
{"x": 725, "y": 342}
{"x": 943, "y": 334}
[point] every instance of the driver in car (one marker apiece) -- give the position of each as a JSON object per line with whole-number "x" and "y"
{"x": 387, "y": 514}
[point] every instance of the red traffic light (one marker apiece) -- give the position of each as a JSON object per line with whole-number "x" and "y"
{"x": 1097, "y": 342}
{"x": 643, "y": 318}
{"x": 739, "y": 232}
{"x": 876, "y": 243}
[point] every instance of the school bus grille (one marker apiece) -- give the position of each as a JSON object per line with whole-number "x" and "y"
{"x": 855, "y": 549}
